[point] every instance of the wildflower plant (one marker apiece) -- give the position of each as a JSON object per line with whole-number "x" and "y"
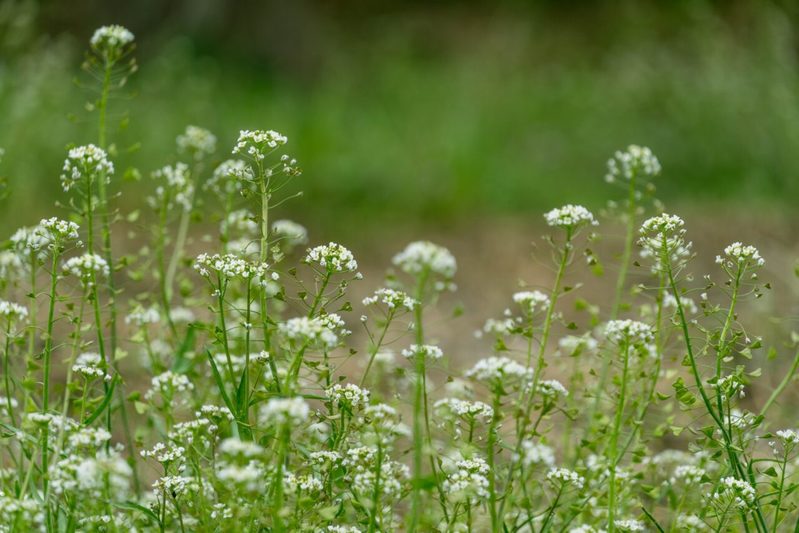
{"x": 243, "y": 390}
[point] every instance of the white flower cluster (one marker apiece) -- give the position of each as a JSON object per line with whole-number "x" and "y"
{"x": 664, "y": 234}
{"x": 33, "y": 240}
{"x": 570, "y": 216}
{"x": 234, "y": 447}
{"x": 111, "y": 40}
{"x": 57, "y": 230}
{"x": 89, "y": 365}
{"x": 360, "y": 463}
{"x": 165, "y": 453}
{"x": 279, "y": 411}
{"x": 86, "y": 267}
{"x": 89, "y": 438}
{"x": 634, "y": 162}
{"x": 531, "y": 301}
{"x": 85, "y": 163}
{"x": 788, "y": 436}
{"x": 168, "y": 383}
{"x": 735, "y": 491}
{"x": 691, "y": 522}
{"x": 469, "y": 480}
{"x": 350, "y": 396}
{"x": 290, "y": 232}
{"x": 393, "y": 299}
{"x": 742, "y": 255}
{"x": 333, "y": 257}
{"x": 689, "y": 474}
{"x": 177, "y": 189}
{"x": 324, "y": 330}
{"x": 141, "y": 316}
{"x": 629, "y": 331}
{"x": 629, "y": 525}
{"x": 229, "y": 266}
{"x": 565, "y": 476}
{"x": 258, "y": 144}
{"x": 466, "y": 409}
{"x": 574, "y": 345}
{"x": 552, "y": 389}
{"x": 227, "y": 177}
{"x": 534, "y": 453}
{"x": 424, "y": 256}
{"x": 427, "y": 351}
{"x": 13, "y": 311}
{"x": 175, "y": 486}
{"x": 196, "y": 141}
{"x": 498, "y": 369}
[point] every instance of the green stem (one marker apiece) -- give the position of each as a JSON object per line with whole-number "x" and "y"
{"x": 614, "y": 439}
{"x": 48, "y": 350}
{"x": 781, "y": 387}
{"x": 491, "y": 453}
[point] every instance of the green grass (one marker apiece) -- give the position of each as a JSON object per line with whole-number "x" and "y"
{"x": 509, "y": 115}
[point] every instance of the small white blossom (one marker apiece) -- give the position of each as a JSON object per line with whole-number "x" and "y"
{"x": 333, "y": 257}
{"x": 628, "y": 331}
{"x": 636, "y": 161}
{"x": 196, "y": 141}
{"x": 570, "y": 216}
{"x": 278, "y": 411}
{"x": 565, "y": 476}
{"x": 428, "y": 351}
{"x": 421, "y": 256}
{"x": 393, "y": 299}
{"x": 85, "y": 163}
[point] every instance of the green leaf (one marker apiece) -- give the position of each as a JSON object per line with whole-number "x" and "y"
{"x": 133, "y": 506}
{"x": 220, "y": 383}
{"x": 106, "y": 400}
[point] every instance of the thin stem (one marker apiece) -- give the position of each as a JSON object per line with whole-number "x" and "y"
{"x": 614, "y": 439}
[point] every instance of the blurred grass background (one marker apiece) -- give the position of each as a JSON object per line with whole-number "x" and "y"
{"x": 423, "y": 112}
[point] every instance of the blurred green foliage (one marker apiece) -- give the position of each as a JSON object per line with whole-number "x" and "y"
{"x": 426, "y": 112}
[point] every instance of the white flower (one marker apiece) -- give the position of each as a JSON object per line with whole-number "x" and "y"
{"x": 229, "y": 266}
{"x": 570, "y": 216}
{"x": 465, "y": 408}
{"x": 31, "y": 240}
{"x": 739, "y": 493}
{"x": 86, "y": 267}
{"x": 13, "y": 311}
{"x": 141, "y": 316}
{"x": 333, "y": 257}
{"x": 742, "y": 255}
{"x": 565, "y": 476}
{"x": 168, "y": 383}
{"x": 350, "y": 396}
{"x": 469, "y": 481}
{"x": 165, "y": 453}
{"x": 531, "y": 301}
{"x": 629, "y": 525}
{"x": 57, "y": 230}
{"x": 788, "y": 436}
{"x": 428, "y": 351}
{"x": 664, "y": 234}
{"x": 392, "y": 299}
{"x": 421, "y": 256}
{"x": 177, "y": 187}
{"x": 258, "y": 144}
{"x": 278, "y": 411}
{"x": 628, "y": 331}
{"x": 635, "y": 162}
{"x": 324, "y": 330}
{"x": 90, "y": 365}
{"x": 289, "y": 232}
{"x": 552, "y": 389}
{"x": 197, "y": 142}
{"x": 689, "y": 474}
{"x": 228, "y": 177}
{"x": 85, "y": 163}
{"x": 110, "y": 41}
{"x": 534, "y": 453}
{"x": 499, "y": 370}
{"x": 234, "y": 447}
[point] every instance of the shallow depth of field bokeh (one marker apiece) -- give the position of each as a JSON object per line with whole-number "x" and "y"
{"x": 456, "y": 122}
